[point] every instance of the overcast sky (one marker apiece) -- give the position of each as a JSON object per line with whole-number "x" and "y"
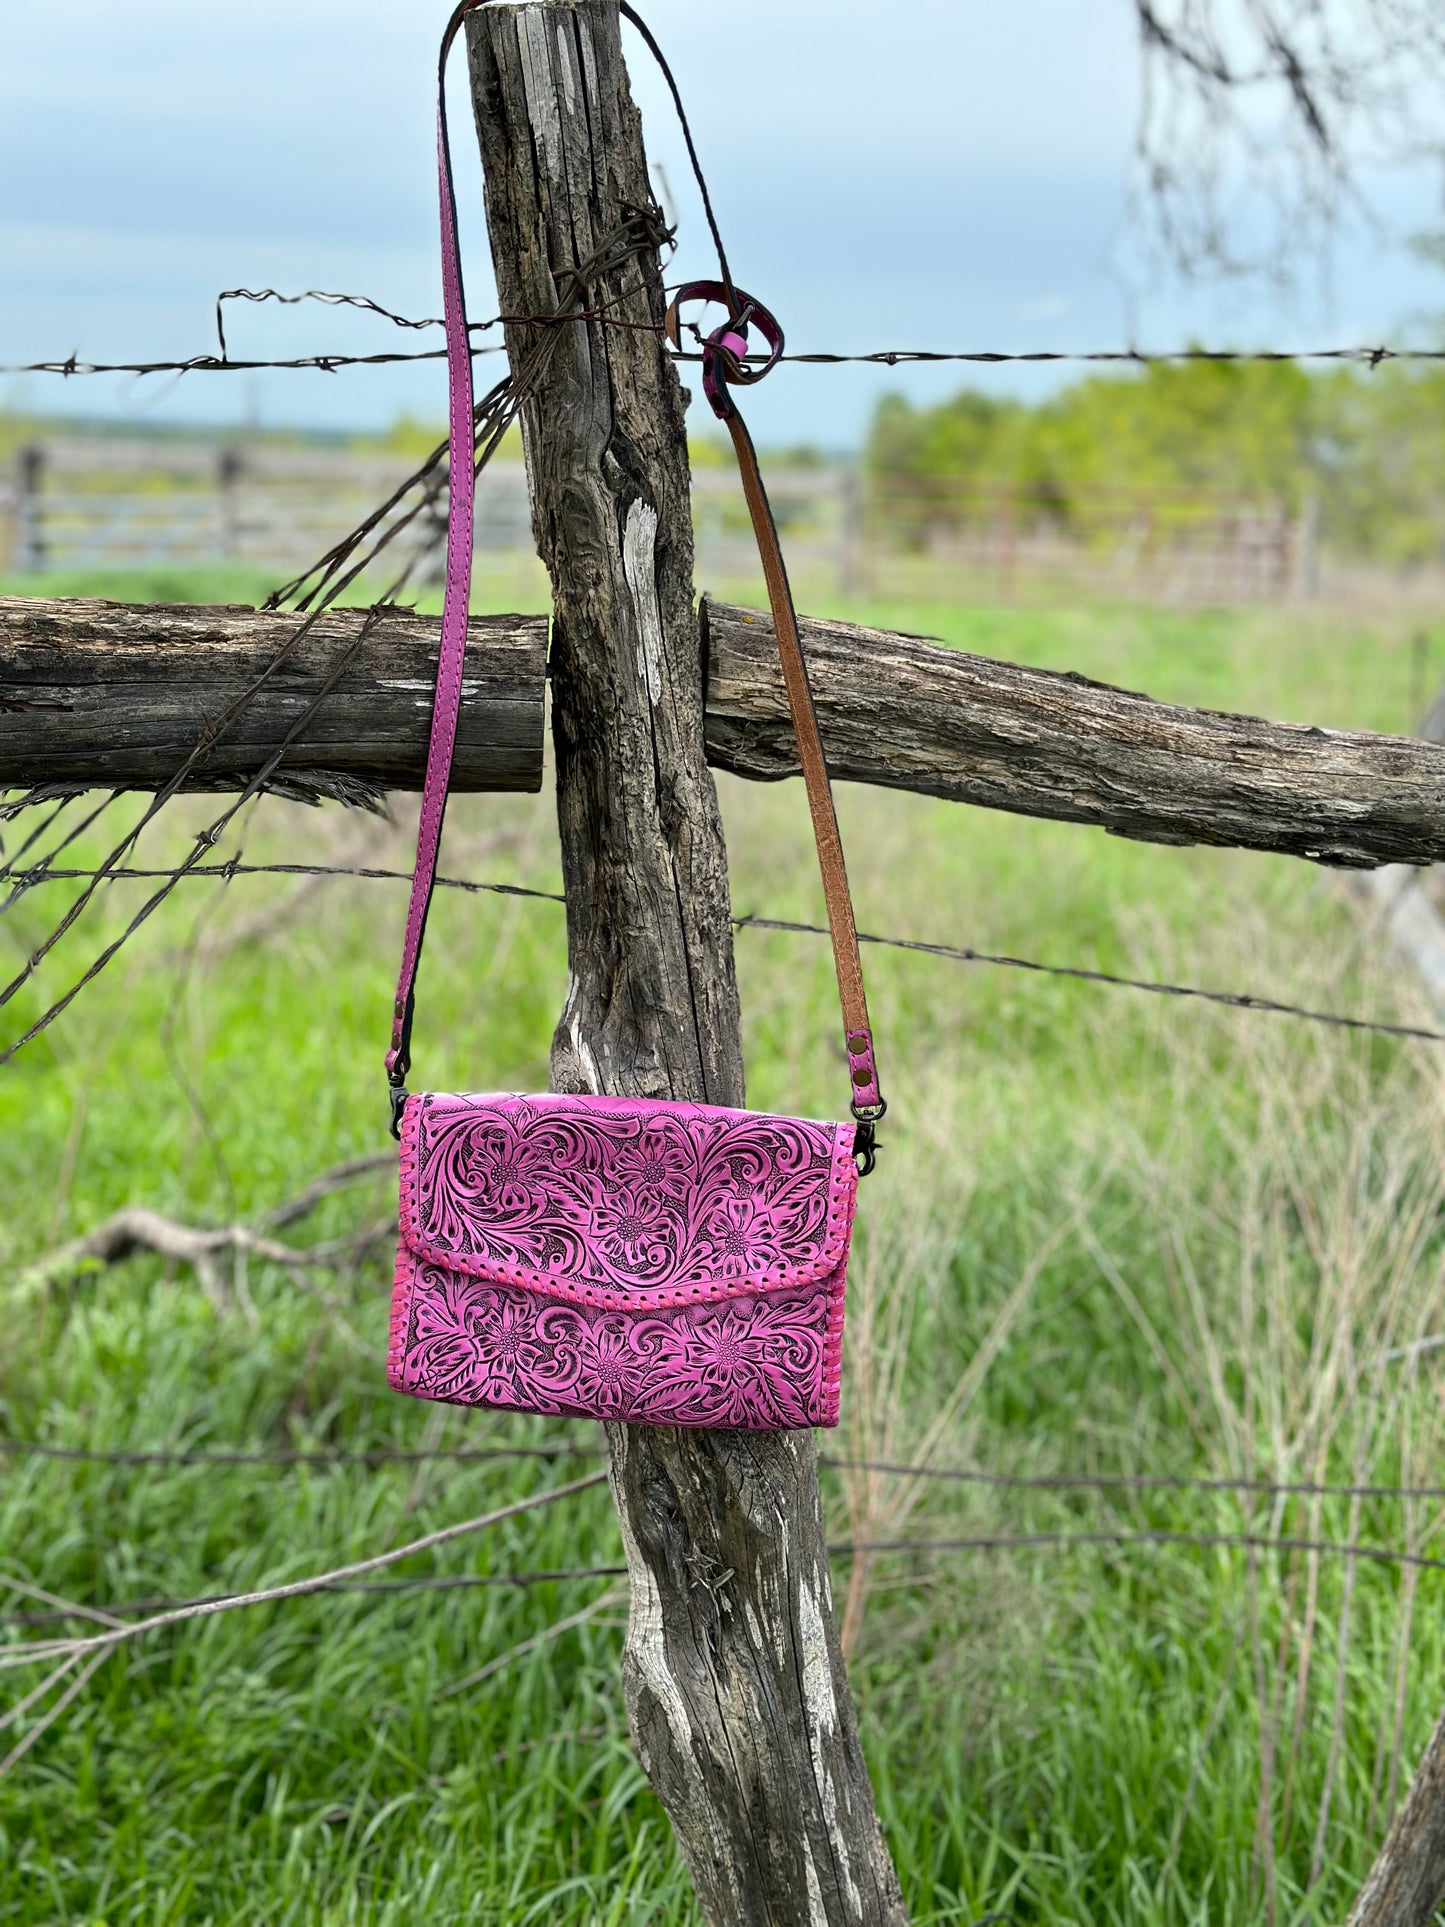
{"x": 946, "y": 174}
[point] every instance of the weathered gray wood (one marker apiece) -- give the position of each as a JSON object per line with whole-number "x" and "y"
{"x": 104, "y": 693}
{"x": 1405, "y": 898}
{"x": 735, "y": 1687}
{"x": 913, "y": 715}
{"x": 108, "y": 694}
{"x": 1407, "y": 1882}
{"x": 1401, "y": 911}
{"x": 1406, "y": 1885}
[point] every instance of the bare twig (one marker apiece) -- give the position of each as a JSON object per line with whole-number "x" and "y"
{"x": 29, "y": 1591}
{"x": 134, "y": 1228}
{"x": 53, "y": 1713}
{"x": 106, "y": 1642}
{"x": 1258, "y": 117}
{"x": 338, "y": 1178}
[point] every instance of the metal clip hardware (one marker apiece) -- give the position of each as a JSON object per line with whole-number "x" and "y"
{"x": 865, "y": 1147}
{"x": 398, "y": 1096}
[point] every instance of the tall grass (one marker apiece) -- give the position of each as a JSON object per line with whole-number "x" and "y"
{"x": 1109, "y": 1235}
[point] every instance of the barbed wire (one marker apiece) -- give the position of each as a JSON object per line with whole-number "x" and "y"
{"x": 324, "y": 299}
{"x": 637, "y": 235}
{"x": 1369, "y": 355}
{"x": 432, "y": 1582}
{"x": 1131, "y": 1536}
{"x": 29, "y": 879}
{"x": 1061, "y": 1539}
{"x": 373, "y": 1456}
{"x": 1132, "y": 1481}
{"x": 1366, "y": 356}
{"x": 338, "y": 1456}
{"x": 1236, "y": 1000}
{"x": 208, "y": 364}
{"x": 950, "y": 953}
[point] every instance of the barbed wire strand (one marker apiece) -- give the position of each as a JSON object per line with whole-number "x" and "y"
{"x": 320, "y": 587}
{"x": 433, "y": 1582}
{"x": 1130, "y": 1536}
{"x": 374, "y": 1456}
{"x": 172, "y": 1611}
{"x": 637, "y": 234}
{"x": 323, "y": 299}
{"x": 1237, "y": 1000}
{"x": 949, "y": 953}
{"x": 239, "y": 868}
{"x": 1363, "y": 356}
{"x": 301, "y": 1588}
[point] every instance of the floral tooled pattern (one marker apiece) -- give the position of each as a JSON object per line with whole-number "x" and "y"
{"x": 755, "y": 1360}
{"x": 624, "y": 1199}
{"x": 662, "y": 1264}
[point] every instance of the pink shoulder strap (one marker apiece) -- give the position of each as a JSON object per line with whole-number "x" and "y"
{"x": 461, "y": 482}
{"x": 723, "y": 363}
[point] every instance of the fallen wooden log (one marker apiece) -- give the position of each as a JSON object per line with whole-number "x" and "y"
{"x": 104, "y": 694}
{"x": 910, "y": 714}
{"x": 97, "y": 693}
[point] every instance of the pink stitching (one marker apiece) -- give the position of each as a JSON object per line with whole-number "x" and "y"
{"x": 627, "y": 1191}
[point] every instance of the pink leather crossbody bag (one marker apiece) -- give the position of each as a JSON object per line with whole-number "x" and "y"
{"x": 623, "y": 1258}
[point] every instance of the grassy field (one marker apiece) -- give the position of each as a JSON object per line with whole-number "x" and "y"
{"x": 1111, "y": 1234}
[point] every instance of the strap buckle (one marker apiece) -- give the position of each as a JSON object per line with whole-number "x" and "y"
{"x": 865, "y": 1142}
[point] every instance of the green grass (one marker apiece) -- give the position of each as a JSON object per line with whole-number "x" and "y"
{"x": 223, "y": 582}
{"x": 1226, "y": 1220}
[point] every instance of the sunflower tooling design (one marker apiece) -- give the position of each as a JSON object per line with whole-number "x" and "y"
{"x": 622, "y": 1258}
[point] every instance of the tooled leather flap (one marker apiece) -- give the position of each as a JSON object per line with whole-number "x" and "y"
{"x": 625, "y": 1202}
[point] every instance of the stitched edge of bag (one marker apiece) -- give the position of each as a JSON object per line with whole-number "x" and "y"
{"x": 832, "y": 1376}
{"x": 837, "y": 1302}
{"x": 402, "y": 1280}
{"x": 822, "y": 1402}
{"x": 401, "y": 1290}
{"x": 842, "y": 1204}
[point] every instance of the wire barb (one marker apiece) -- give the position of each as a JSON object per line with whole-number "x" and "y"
{"x": 1363, "y": 356}
{"x": 42, "y": 873}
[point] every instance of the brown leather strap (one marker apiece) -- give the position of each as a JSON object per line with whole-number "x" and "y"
{"x": 867, "y": 1098}
{"x": 724, "y": 364}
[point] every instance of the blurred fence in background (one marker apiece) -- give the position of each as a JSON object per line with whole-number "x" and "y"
{"x": 93, "y": 501}
{"x": 89, "y": 501}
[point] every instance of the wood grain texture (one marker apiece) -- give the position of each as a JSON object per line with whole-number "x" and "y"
{"x": 107, "y": 694}
{"x": 735, "y": 1688}
{"x": 1406, "y": 1885}
{"x": 1407, "y": 1882}
{"x": 913, "y": 715}
{"x": 101, "y": 693}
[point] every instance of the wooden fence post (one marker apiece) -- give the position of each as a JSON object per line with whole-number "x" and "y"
{"x": 738, "y": 1702}
{"x": 29, "y": 542}
{"x": 230, "y": 467}
{"x": 1405, "y": 1886}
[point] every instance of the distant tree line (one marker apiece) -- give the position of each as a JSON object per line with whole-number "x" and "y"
{"x": 1360, "y": 450}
